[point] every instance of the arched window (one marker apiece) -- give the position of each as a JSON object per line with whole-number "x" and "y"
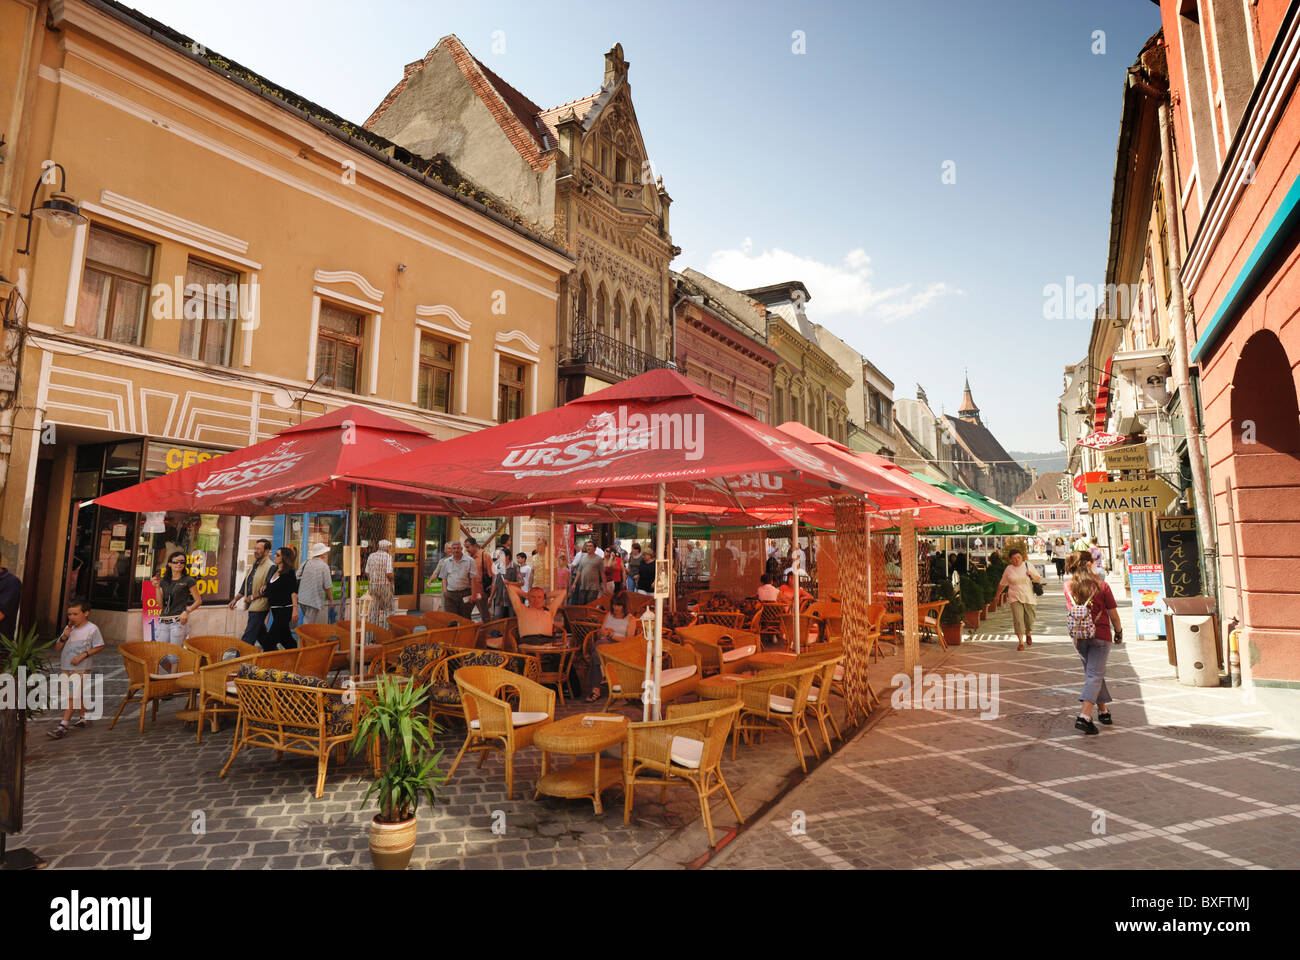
{"x": 584, "y": 306}
{"x": 618, "y": 317}
{"x": 634, "y": 327}
{"x": 601, "y": 309}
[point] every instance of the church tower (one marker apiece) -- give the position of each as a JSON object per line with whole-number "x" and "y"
{"x": 968, "y": 411}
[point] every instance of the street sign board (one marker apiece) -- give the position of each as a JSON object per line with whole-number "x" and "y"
{"x": 1100, "y": 440}
{"x": 1132, "y": 457}
{"x": 1179, "y": 549}
{"x": 1147, "y": 583}
{"x": 1130, "y": 496}
{"x": 1091, "y": 476}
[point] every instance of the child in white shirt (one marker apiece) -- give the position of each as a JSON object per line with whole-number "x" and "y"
{"x": 79, "y": 641}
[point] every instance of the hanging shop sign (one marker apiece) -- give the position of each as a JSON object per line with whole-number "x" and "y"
{"x": 1101, "y": 440}
{"x": 1091, "y": 476}
{"x": 1147, "y": 583}
{"x": 1130, "y": 496}
{"x": 1130, "y": 457}
{"x": 1179, "y": 555}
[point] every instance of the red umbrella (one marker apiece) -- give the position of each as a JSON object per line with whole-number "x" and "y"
{"x": 300, "y": 470}
{"x": 624, "y": 442}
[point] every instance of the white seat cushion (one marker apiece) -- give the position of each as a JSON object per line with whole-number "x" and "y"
{"x": 813, "y": 694}
{"x": 780, "y": 704}
{"x": 686, "y": 752}
{"x": 739, "y": 653}
{"x": 521, "y": 719}
{"x": 839, "y": 671}
{"x": 420, "y": 629}
{"x": 616, "y": 688}
{"x": 675, "y": 674}
{"x": 231, "y": 688}
{"x": 170, "y": 676}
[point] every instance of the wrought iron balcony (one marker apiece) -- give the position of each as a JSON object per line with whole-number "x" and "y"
{"x": 604, "y": 353}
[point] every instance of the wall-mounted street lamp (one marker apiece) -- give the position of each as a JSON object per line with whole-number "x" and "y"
{"x": 60, "y": 211}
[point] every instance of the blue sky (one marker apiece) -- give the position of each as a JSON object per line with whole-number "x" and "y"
{"x": 824, "y": 166}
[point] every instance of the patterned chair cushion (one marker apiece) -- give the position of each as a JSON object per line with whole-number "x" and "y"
{"x": 446, "y": 694}
{"x": 251, "y": 672}
{"x": 414, "y": 657}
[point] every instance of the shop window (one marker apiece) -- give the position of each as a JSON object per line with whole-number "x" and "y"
{"x": 437, "y": 375}
{"x": 114, "y": 287}
{"x": 338, "y": 346}
{"x": 209, "y": 314}
{"x": 510, "y": 390}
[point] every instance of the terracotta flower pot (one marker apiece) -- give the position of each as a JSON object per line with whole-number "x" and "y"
{"x": 951, "y": 633}
{"x": 971, "y": 618}
{"x": 391, "y": 844}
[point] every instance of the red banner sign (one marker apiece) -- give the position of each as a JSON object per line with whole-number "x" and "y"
{"x": 1100, "y": 441}
{"x": 1092, "y": 476}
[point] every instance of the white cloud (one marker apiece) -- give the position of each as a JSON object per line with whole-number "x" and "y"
{"x": 844, "y": 288}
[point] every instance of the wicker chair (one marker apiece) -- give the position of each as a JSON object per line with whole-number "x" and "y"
{"x": 404, "y": 623}
{"x": 829, "y": 613}
{"x": 341, "y": 634}
{"x": 292, "y": 718}
{"x": 812, "y": 631}
{"x": 685, "y": 747}
{"x": 624, "y": 668}
{"x": 732, "y": 619}
{"x": 217, "y": 693}
{"x": 769, "y": 621}
{"x": 495, "y": 635}
{"x": 145, "y": 681}
{"x": 637, "y": 602}
{"x": 819, "y": 699}
{"x": 444, "y": 695}
{"x": 212, "y": 648}
{"x": 777, "y": 700}
{"x": 399, "y": 650}
{"x": 721, "y": 649}
{"x": 437, "y": 619}
{"x": 927, "y": 619}
{"x": 492, "y": 724}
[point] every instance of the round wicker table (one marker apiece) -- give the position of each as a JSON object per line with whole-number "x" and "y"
{"x": 584, "y": 778}
{"x": 721, "y": 686}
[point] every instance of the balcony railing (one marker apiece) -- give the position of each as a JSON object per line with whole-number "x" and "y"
{"x": 612, "y": 356}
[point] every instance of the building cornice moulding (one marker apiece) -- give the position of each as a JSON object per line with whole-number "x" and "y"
{"x": 351, "y": 276}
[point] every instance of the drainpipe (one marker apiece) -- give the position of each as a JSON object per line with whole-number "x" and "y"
{"x": 1179, "y": 361}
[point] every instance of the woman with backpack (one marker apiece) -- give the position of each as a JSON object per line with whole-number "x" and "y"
{"x": 1090, "y": 618}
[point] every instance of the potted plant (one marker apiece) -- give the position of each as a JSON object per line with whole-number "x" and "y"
{"x": 950, "y": 619}
{"x": 395, "y": 725}
{"x": 22, "y": 657}
{"x": 972, "y": 600}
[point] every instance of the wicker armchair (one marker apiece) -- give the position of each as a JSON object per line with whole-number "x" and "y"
{"x": 637, "y": 602}
{"x": 341, "y": 634}
{"x": 400, "y": 656}
{"x": 494, "y": 635}
{"x": 687, "y": 747}
{"x": 769, "y": 621}
{"x": 437, "y": 619}
{"x": 492, "y": 724}
{"x": 721, "y": 649}
{"x": 819, "y": 699}
{"x": 624, "y": 668}
{"x": 145, "y": 681}
{"x": 212, "y": 648}
{"x": 292, "y": 717}
{"x": 927, "y": 619}
{"x": 401, "y": 624}
{"x": 732, "y": 619}
{"x": 831, "y": 615}
{"x": 444, "y": 695}
{"x": 777, "y": 700}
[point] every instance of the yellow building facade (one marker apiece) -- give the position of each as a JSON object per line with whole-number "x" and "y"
{"x": 246, "y": 260}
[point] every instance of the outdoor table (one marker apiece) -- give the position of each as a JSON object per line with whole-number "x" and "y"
{"x": 769, "y": 659}
{"x": 553, "y": 649}
{"x": 719, "y": 687}
{"x": 583, "y": 779}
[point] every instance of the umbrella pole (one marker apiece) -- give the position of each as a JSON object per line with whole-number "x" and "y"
{"x": 354, "y": 556}
{"x": 550, "y": 547}
{"x": 672, "y": 580}
{"x": 794, "y": 564}
{"x": 661, "y": 557}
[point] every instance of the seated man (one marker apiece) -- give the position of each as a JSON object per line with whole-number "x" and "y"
{"x": 786, "y": 593}
{"x": 537, "y": 618}
{"x": 767, "y": 591}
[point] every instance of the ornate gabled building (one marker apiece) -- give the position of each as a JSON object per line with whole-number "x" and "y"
{"x": 579, "y": 174}
{"x": 993, "y": 471}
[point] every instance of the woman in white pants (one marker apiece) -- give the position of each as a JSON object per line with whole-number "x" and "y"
{"x": 179, "y": 595}
{"x": 1018, "y": 581}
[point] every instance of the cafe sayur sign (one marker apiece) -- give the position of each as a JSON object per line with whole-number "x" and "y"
{"x": 1130, "y": 496}
{"x": 1132, "y": 457}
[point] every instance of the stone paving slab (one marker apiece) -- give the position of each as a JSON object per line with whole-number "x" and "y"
{"x": 1187, "y": 779}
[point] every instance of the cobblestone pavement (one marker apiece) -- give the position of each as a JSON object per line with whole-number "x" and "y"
{"x": 119, "y": 798}
{"x": 1187, "y": 778}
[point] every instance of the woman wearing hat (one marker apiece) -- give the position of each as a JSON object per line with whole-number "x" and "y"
{"x": 316, "y": 586}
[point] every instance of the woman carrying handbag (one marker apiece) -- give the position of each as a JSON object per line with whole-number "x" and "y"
{"x": 1092, "y": 614}
{"x": 1023, "y": 586}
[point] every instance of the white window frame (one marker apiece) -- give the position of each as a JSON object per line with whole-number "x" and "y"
{"x": 461, "y": 363}
{"x": 530, "y": 361}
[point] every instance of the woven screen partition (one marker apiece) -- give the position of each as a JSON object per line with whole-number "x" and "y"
{"x": 828, "y": 565}
{"x": 736, "y": 561}
{"x": 852, "y": 543}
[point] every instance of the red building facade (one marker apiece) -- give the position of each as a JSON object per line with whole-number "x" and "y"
{"x": 1236, "y": 120}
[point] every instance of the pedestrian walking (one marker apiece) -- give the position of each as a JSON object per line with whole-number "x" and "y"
{"x": 540, "y": 561}
{"x": 180, "y": 595}
{"x": 281, "y": 594}
{"x": 613, "y": 570}
{"x": 633, "y": 567}
{"x": 1098, "y": 563}
{"x": 457, "y": 573}
{"x": 504, "y": 571}
{"x": 588, "y": 575}
{"x": 379, "y": 576}
{"x": 316, "y": 586}
{"x": 251, "y": 592}
{"x": 481, "y": 589}
{"x": 1060, "y": 551}
{"x": 79, "y": 641}
{"x": 1094, "y": 624}
{"x": 1017, "y": 583}
{"x": 525, "y": 572}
